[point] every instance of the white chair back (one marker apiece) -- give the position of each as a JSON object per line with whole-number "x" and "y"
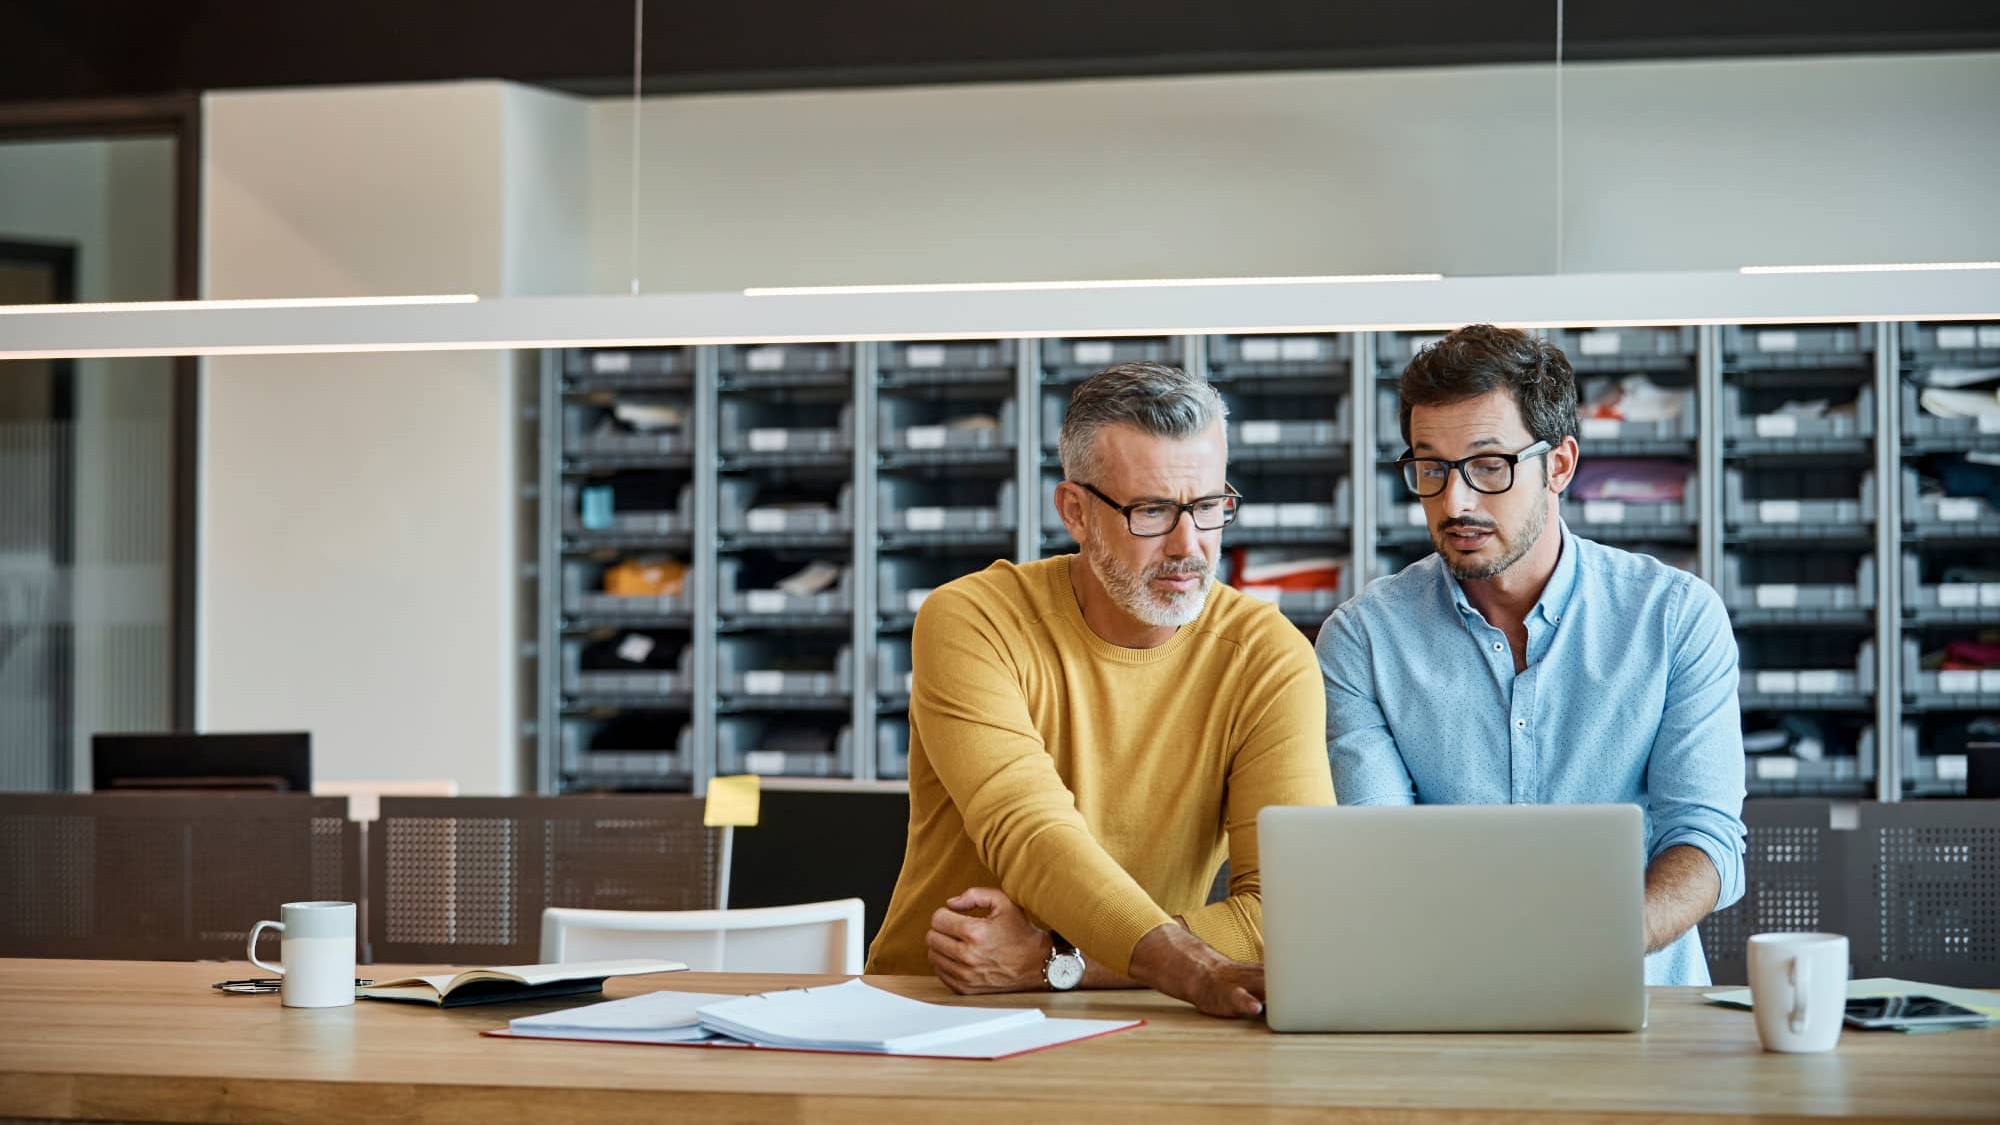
{"x": 811, "y": 937}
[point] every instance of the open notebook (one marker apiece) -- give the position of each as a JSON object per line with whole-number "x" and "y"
{"x": 852, "y": 1017}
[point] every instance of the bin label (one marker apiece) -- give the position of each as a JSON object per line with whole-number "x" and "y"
{"x": 1259, "y": 433}
{"x": 924, "y": 519}
{"x": 1777, "y": 769}
{"x": 1602, "y": 341}
{"x": 1777, "y": 341}
{"x": 924, "y": 437}
{"x": 1778, "y": 596}
{"x": 765, "y": 359}
{"x": 1599, "y": 428}
{"x": 924, "y": 355}
{"x": 1777, "y": 425}
{"x": 1778, "y": 511}
{"x": 1604, "y": 511}
{"x": 768, "y": 440}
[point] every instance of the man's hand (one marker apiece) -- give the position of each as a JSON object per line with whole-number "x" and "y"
{"x": 1174, "y": 961}
{"x": 998, "y": 950}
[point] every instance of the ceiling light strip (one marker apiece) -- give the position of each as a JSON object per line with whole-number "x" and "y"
{"x": 1886, "y": 267}
{"x": 1056, "y": 286}
{"x": 238, "y": 305}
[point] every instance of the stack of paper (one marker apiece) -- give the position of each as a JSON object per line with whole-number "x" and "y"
{"x": 853, "y": 1017}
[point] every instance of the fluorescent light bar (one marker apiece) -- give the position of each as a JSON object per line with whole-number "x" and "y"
{"x": 247, "y": 303}
{"x": 1888, "y": 267}
{"x": 1036, "y": 286}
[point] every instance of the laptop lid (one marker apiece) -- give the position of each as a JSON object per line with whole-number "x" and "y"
{"x": 1454, "y": 918}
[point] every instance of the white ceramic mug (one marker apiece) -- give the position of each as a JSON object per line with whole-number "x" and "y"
{"x": 1798, "y": 990}
{"x": 317, "y": 951}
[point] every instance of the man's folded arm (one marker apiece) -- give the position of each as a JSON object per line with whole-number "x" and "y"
{"x": 967, "y": 708}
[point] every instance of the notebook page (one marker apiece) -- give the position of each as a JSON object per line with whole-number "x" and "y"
{"x": 857, "y": 1017}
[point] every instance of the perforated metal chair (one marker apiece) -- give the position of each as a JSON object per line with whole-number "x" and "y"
{"x": 812, "y": 937}
{"x": 465, "y": 879}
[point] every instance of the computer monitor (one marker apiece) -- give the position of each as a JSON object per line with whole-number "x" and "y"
{"x": 276, "y": 762}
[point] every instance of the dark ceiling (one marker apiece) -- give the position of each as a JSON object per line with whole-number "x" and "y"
{"x": 94, "y": 48}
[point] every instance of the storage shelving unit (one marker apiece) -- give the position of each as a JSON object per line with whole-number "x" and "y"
{"x": 815, "y": 494}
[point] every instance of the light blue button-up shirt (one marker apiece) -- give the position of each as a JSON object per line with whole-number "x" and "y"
{"x": 1629, "y": 697}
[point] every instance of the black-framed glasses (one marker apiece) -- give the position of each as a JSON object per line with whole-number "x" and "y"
{"x": 1149, "y": 519}
{"x": 1489, "y": 473}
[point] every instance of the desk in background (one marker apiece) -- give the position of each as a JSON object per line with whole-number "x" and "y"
{"x": 138, "y": 1041}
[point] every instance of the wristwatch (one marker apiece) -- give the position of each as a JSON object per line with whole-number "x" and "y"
{"x": 1064, "y": 970}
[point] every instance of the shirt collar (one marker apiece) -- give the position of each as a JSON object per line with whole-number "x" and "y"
{"x": 1555, "y": 595}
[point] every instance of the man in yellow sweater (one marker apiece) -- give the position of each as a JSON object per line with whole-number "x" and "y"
{"x": 1092, "y": 734}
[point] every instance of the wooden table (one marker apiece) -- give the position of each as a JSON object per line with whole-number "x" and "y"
{"x": 150, "y": 1041}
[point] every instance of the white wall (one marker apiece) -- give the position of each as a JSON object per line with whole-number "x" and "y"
{"x": 357, "y": 540}
{"x": 1670, "y": 166}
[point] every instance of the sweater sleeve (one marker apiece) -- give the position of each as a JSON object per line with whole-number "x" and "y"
{"x": 1279, "y": 759}
{"x": 968, "y": 707}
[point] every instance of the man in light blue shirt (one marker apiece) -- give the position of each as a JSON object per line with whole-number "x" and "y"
{"x": 1525, "y": 665}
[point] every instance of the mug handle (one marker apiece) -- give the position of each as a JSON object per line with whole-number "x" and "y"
{"x": 275, "y": 970}
{"x": 1800, "y": 972}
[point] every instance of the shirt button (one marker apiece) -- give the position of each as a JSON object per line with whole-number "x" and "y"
{"x": 1496, "y": 646}
{"x": 1520, "y": 722}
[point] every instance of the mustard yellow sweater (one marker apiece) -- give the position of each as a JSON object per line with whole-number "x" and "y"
{"x": 1100, "y": 787}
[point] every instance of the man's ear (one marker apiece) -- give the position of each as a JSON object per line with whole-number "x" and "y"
{"x": 1071, "y": 506}
{"x": 1562, "y": 465}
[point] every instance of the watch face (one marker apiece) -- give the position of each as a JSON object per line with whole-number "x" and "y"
{"x": 1065, "y": 971}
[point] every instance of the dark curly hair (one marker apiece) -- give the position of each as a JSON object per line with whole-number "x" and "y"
{"x": 1479, "y": 358}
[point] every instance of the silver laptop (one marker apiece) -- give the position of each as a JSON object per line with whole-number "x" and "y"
{"x": 1454, "y": 918}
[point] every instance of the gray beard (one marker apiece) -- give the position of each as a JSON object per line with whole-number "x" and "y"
{"x": 1132, "y": 591}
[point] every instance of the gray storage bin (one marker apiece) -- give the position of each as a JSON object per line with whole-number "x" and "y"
{"x": 1950, "y": 345}
{"x": 1927, "y": 433}
{"x": 1836, "y": 775}
{"x": 746, "y": 362}
{"x": 1389, "y": 418}
{"x": 583, "y": 596}
{"x": 1627, "y": 519}
{"x": 627, "y": 367}
{"x": 1945, "y": 517}
{"x": 677, "y": 521}
{"x": 1797, "y": 346}
{"x": 590, "y": 430}
{"x": 1601, "y": 435}
{"x": 892, "y": 749}
{"x": 1948, "y": 691}
{"x": 1788, "y": 431}
{"x": 904, "y": 581}
{"x": 1261, "y": 356}
{"x": 1054, "y": 408}
{"x": 1631, "y": 348}
{"x": 638, "y": 683}
{"x": 745, "y": 744}
{"x": 946, "y": 361}
{"x": 892, "y": 668}
{"x": 1785, "y": 689}
{"x": 1394, "y": 350}
{"x": 1397, "y": 510}
{"x": 1778, "y": 517}
{"x": 919, "y": 427}
{"x": 1967, "y": 603}
{"x": 738, "y": 513}
{"x": 1308, "y": 606}
{"x": 747, "y": 669}
{"x": 666, "y": 766}
{"x": 755, "y": 428}
{"x": 1927, "y": 774}
{"x": 1253, "y": 439}
{"x": 1292, "y": 510}
{"x": 1074, "y": 359}
{"x": 930, "y": 508}
{"x": 1796, "y": 601}
{"x": 748, "y": 607}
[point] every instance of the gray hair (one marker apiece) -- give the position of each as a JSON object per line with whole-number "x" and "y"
{"x": 1155, "y": 398}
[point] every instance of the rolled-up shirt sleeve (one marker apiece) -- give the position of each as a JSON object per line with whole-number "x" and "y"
{"x": 1694, "y": 776}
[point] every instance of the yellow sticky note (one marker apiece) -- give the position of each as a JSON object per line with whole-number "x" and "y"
{"x": 731, "y": 801}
